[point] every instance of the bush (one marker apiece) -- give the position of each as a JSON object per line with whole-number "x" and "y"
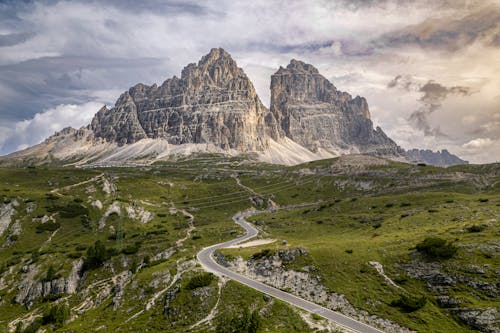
{"x": 266, "y": 253}
{"x": 51, "y": 274}
{"x": 234, "y": 322}
{"x": 132, "y": 248}
{"x": 476, "y": 228}
{"x": 96, "y": 256}
{"x": 47, "y": 226}
{"x": 200, "y": 280}
{"x": 73, "y": 210}
{"x": 409, "y": 303}
{"x": 57, "y": 315}
{"x": 436, "y": 248}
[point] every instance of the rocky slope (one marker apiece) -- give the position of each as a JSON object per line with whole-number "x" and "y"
{"x": 441, "y": 158}
{"x": 214, "y": 108}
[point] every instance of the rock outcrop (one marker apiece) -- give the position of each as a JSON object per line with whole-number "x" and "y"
{"x": 313, "y": 113}
{"x": 30, "y": 288}
{"x": 271, "y": 270}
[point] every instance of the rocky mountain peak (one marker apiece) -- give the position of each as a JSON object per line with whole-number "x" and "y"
{"x": 213, "y": 102}
{"x": 311, "y": 111}
{"x": 298, "y": 66}
{"x": 217, "y": 68}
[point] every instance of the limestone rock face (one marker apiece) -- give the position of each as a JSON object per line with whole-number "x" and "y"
{"x": 312, "y": 112}
{"x": 213, "y": 102}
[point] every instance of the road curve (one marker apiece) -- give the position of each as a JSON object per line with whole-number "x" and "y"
{"x": 206, "y": 259}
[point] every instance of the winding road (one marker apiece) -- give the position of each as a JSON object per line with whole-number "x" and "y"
{"x": 206, "y": 259}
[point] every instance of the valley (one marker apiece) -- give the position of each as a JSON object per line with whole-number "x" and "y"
{"x": 115, "y": 249}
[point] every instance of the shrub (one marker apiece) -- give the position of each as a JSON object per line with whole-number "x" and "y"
{"x": 234, "y": 322}
{"x": 73, "y": 210}
{"x": 51, "y": 274}
{"x": 199, "y": 280}
{"x": 96, "y": 256}
{"x": 131, "y": 249}
{"x": 57, "y": 315}
{"x": 266, "y": 253}
{"x": 436, "y": 248}
{"x": 47, "y": 226}
{"x": 409, "y": 303}
{"x": 51, "y": 196}
{"x": 476, "y": 228}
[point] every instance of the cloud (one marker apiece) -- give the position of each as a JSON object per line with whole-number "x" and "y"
{"x": 433, "y": 94}
{"x": 478, "y": 143}
{"x": 70, "y": 52}
{"x": 33, "y": 131}
{"x": 451, "y": 32}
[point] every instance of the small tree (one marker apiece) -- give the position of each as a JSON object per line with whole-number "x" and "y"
{"x": 57, "y": 315}
{"x": 96, "y": 256}
{"x": 51, "y": 274}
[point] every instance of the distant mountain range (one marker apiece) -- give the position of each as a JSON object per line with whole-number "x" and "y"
{"x": 214, "y": 108}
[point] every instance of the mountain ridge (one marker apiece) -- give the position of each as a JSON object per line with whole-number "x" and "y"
{"x": 213, "y": 107}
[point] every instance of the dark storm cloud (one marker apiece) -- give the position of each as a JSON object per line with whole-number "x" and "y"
{"x": 433, "y": 94}
{"x": 38, "y": 84}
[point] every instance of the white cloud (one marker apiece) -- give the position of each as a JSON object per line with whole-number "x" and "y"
{"x": 478, "y": 143}
{"x": 32, "y": 131}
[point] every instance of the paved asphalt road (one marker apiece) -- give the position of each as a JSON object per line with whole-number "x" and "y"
{"x": 206, "y": 259}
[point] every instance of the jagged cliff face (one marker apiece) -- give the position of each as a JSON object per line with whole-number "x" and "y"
{"x": 313, "y": 113}
{"x": 213, "y": 102}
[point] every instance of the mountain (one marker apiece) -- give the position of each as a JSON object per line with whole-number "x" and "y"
{"x": 213, "y": 102}
{"x": 214, "y": 108}
{"x": 441, "y": 158}
{"x": 313, "y": 113}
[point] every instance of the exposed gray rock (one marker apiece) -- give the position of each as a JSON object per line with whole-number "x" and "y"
{"x": 484, "y": 320}
{"x": 445, "y": 301}
{"x": 31, "y": 289}
{"x": 170, "y": 296}
{"x": 291, "y": 254}
{"x": 430, "y": 272}
{"x": 312, "y": 112}
{"x": 219, "y": 257}
{"x": 6, "y": 212}
{"x": 489, "y": 289}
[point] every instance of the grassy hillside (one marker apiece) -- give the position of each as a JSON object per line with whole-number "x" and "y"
{"x": 135, "y": 232}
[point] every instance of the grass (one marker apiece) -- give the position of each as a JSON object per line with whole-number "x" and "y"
{"x": 379, "y": 213}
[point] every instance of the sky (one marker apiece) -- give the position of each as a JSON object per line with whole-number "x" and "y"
{"x": 430, "y": 69}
